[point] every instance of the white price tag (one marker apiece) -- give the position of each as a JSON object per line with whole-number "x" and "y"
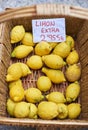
{"x": 50, "y": 30}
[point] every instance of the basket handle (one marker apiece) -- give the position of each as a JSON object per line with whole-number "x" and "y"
{"x": 53, "y": 9}
{"x": 44, "y": 9}
{"x": 62, "y": 9}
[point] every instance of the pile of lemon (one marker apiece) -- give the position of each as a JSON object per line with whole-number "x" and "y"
{"x": 50, "y": 59}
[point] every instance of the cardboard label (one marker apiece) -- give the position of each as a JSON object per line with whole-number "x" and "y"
{"x": 50, "y": 30}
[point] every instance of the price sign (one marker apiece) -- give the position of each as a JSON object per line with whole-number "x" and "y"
{"x": 50, "y": 30}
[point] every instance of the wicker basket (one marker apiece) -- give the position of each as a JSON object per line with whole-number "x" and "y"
{"x": 76, "y": 26}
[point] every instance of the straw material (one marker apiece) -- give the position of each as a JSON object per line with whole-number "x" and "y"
{"x": 76, "y": 26}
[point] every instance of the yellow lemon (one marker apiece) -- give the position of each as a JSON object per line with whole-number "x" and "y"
{"x": 62, "y": 49}
{"x": 57, "y": 63}
{"x": 73, "y": 73}
{"x": 63, "y": 111}
{"x": 42, "y": 48}
{"x": 72, "y": 91}
{"x": 21, "y": 110}
{"x": 72, "y": 58}
{"x": 33, "y": 95}
{"x": 56, "y": 76}
{"x": 21, "y": 51}
{"x": 28, "y": 39}
{"x": 35, "y": 62}
{"x": 14, "y": 72}
{"x": 10, "y": 105}
{"x": 56, "y": 97}
{"x": 69, "y": 39}
{"x": 17, "y": 93}
{"x": 47, "y": 110}
{"x": 44, "y": 83}
{"x": 15, "y": 83}
{"x": 17, "y": 33}
{"x": 32, "y": 111}
{"x": 74, "y": 110}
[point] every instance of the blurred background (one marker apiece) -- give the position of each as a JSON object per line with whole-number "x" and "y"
{"x": 20, "y": 3}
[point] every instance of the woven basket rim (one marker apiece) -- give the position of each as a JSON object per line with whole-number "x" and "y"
{"x": 44, "y": 9}
{"x": 39, "y": 122}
